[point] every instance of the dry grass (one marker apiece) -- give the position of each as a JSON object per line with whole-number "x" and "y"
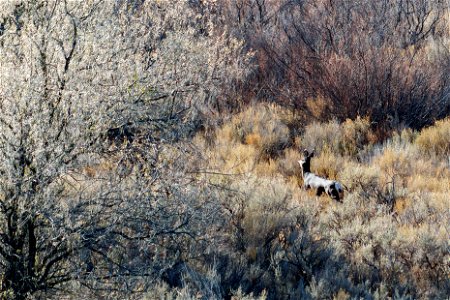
{"x": 396, "y": 200}
{"x": 258, "y": 141}
{"x": 327, "y": 164}
{"x": 287, "y": 163}
{"x": 349, "y": 138}
{"x": 355, "y": 136}
{"x": 321, "y": 136}
{"x": 436, "y": 139}
{"x": 254, "y": 140}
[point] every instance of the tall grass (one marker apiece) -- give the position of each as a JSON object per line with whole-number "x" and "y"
{"x": 435, "y": 139}
{"x": 388, "y": 237}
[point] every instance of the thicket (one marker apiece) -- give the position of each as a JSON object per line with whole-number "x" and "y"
{"x": 386, "y": 60}
{"x": 148, "y": 149}
{"x": 388, "y": 239}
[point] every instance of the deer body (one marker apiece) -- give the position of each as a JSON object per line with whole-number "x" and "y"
{"x": 312, "y": 181}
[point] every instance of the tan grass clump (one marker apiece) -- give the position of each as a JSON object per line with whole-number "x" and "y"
{"x": 287, "y": 164}
{"x": 435, "y": 139}
{"x": 318, "y": 107}
{"x": 267, "y": 168}
{"x": 262, "y": 126}
{"x": 234, "y": 158}
{"x": 394, "y": 162}
{"x": 319, "y": 136}
{"x": 252, "y": 141}
{"x": 326, "y": 164}
{"x": 356, "y": 135}
{"x": 348, "y": 138}
{"x": 354, "y": 175}
{"x": 395, "y": 166}
{"x": 418, "y": 183}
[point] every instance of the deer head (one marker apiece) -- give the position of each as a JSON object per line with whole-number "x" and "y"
{"x": 305, "y": 163}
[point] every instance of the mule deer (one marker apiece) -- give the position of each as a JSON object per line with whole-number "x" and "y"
{"x": 312, "y": 181}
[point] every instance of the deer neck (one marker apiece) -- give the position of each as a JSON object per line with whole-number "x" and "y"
{"x": 306, "y": 169}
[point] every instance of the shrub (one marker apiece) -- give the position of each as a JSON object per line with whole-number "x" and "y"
{"x": 320, "y": 136}
{"x": 435, "y": 139}
{"x": 348, "y": 138}
{"x": 360, "y": 179}
{"x": 286, "y": 241}
{"x": 262, "y": 126}
{"x": 287, "y": 164}
{"x": 232, "y": 158}
{"x": 348, "y": 61}
{"x": 266, "y": 206}
{"x": 259, "y": 210}
{"x": 393, "y": 162}
{"x": 326, "y": 164}
{"x": 356, "y": 135}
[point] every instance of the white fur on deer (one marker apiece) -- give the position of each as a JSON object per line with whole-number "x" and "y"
{"x": 311, "y": 181}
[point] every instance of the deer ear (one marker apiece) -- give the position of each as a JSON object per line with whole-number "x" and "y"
{"x": 312, "y": 153}
{"x": 305, "y": 153}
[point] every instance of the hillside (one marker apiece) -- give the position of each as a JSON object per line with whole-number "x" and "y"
{"x": 156, "y": 149}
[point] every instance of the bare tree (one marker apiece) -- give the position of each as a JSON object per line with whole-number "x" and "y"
{"x": 72, "y": 72}
{"x": 342, "y": 59}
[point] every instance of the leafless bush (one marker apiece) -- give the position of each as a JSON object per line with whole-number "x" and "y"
{"x": 75, "y": 75}
{"x": 330, "y": 59}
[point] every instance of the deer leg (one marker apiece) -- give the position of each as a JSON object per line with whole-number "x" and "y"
{"x": 320, "y": 190}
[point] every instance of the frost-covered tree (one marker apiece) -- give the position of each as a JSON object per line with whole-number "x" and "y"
{"x": 74, "y": 76}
